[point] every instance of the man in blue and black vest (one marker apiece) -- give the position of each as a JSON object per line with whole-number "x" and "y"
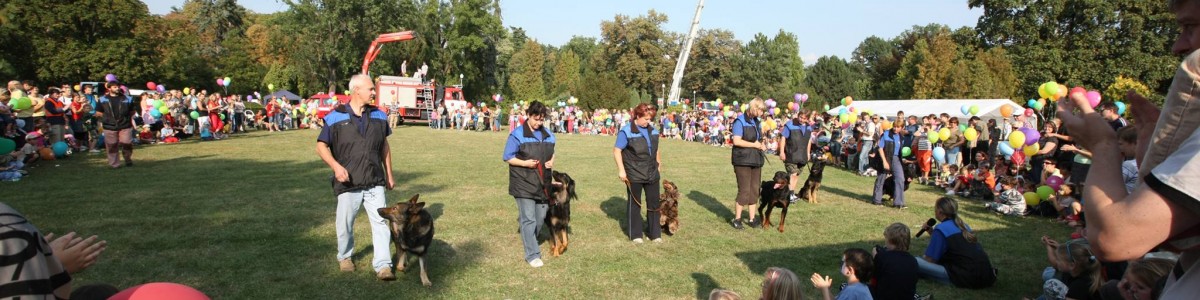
{"x": 354, "y": 144}
{"x": 115, "y": 110}
{"x": 795, "y": 147}
{"x": 529, "y": 153}
{"x": 638, "y": 163}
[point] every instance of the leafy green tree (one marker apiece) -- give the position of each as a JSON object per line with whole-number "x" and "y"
{"x": 635, "y": 50}
{"x": 526, "y": 78}
{"x": 471, "y": 42}
{"x": 832, "y": 78}
{"x": 603, "y": 90}
{"x": 711, "y": 66}
{"x": 567, "y": 77}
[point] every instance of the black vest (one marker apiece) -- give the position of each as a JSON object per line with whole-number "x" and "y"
{"x": 748, "y": 157}
{"x": 531, "y": 183}
{"x": 361, "y": 153}
{"x": 797, "y": 142}
{"x": 966, "y": 263}
{"x": 640, "y": 158}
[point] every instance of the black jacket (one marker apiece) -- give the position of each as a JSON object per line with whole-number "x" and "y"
{"x": 748, "y": 157}
{"x": 531, "y": 183}
{"x": 118, "y": 112}
{"x": 640, "y": 159}
{"x": 357, "y": 144}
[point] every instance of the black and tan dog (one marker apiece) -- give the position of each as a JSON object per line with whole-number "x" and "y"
{"x": 412, "y": 232}
{"x": 668, "y": 206}
{"x": 889, "y": 185}
{"x": 774, "y": 194}
{"x": 816, "y": 173}
{"x": 558, "y": 217}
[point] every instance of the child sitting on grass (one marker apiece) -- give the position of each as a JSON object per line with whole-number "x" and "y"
{"x": 895, "y": 275}
{"x": 781, "y": 284}
{"x": 1075, "y": 272}
{"x": 10, "y": 166}
{"x": 1067, "y": 204}
{"x": 962, "y": 181}
{"x": 982, "y": 183}
{"x": 1010, "y": 202}
{"x": 857, "y": 267}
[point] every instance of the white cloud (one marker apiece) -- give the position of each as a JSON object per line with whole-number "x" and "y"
{"x": 809, "y": 59}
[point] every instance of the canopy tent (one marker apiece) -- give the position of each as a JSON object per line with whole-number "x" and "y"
{"x": 285, "y": 94}
{"x": 988, "y": 108}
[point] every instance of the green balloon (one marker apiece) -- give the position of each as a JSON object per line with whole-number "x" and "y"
{"x": 974, "y": 110}
{"x": 21, "y": 103}
{"x": 962, "y": 128}
{"x": 222, "y": 116}
{"x": 7, "y": 146}
{"x": 906, "y": 151}
{"x": 195, "y": 115}
{"x": 164, "y": 110}
{"x": 1044, "y": 192}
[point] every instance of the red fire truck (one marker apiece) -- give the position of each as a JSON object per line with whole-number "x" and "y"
{"x": 414, "y": 96}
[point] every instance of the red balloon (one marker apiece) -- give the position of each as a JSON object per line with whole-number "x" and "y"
{"x": 160, "y": 290}
{"x": 151, "y": 85}
{"x": 1028, "y": 112}
{"x": 1077, "y": 89}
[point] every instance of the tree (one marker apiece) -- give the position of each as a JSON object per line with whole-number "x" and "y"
{"x": 526, "y": 78}
{"x": 768, "y": 68}
{"x": 603, "y": 90}
{"x": 56, "y": 51}
{"x": 934, "y": 65}
{"x": 333, "y": 36}
{"x": 1122, "y": 85}
{"x": 472, "y": 35}
{"x": 567, "y": 77}
{"x": 833, "y": 78}
{"x": 219, "y": 19}
{"x": 634, "y": 49}
{"x": 880, "y": 60}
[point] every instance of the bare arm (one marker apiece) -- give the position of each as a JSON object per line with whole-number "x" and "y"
{"x": 620, "y": 164}
{"x": 739, "y": 142}
{"x": 387, "y": 164}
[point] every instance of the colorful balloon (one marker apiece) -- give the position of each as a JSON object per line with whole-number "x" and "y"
{"x": 194, "y": 115}
{"x": 1054, "y": 182}
{"x": 1062, "y": 92}
{"x": 60, "y": 149}
{"x": 164, "y": 110}
{"x": 971, "y": 134}
{"x": 228, "y": 81}
{"x": 1048, "y": 89}
{"x": 220, "y": 82}
{"x": 906, "y": 151}
{"x": 933, "y": 137}
{"x": 1006, "y": 149}
{"x": 799, "y": 97}
{"x": 7, "y": 146}
{"x": 1077, "y": 90}
{"x": 271, "y": 86}
{"x": 1031, "y": 136}
{"x": 944, "y": 133}
{"x": 1032, "y": 198}
{"x": 187, "y": 90}
{"x": 1032, "y": 150}
{"x": 1120, "y": 107}
{"x": 1006, "y": 110}
{"x": 962, "y": 128}
{"x": 1093, "y": 98}
{"x": 1044, "y": 192}
{"x": 160, "y": 290}
{"x": 974, "y": 110}
{"x": 110, "y": 78}
{"x": 1016, "y": 139}
{"x": 151, "y": 86}
{"x": 1029, "y": 112}
{"x": 939, "y": 154}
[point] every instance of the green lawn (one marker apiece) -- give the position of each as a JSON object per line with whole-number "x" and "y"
{"x": 252, "y": 218}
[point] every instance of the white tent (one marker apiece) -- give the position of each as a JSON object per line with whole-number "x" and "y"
{"x": 988, "y": 108}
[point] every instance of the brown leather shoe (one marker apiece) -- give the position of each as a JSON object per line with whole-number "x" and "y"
{"x": 346, "y": 265}
{"x": 385, "y": 274}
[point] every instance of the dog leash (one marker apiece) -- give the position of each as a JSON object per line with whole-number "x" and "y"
{"x": 629, "y": 189}
{"x": 541, "y": 170}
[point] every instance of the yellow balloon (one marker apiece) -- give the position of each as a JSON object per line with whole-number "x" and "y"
{"x": 1032, "y": 149}
{"x": 944, "y": 133}
{"x": 971, "y": 134}
{"x": 1016, "y": 139}
{"x": 853, "y": 118}
{"x": 187, "y": 90}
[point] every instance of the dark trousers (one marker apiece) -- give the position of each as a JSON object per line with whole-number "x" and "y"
{"x": 649, "y": 204}
{"x": 898, "y": 179}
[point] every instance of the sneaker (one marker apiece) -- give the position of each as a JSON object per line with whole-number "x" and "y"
{"x": 658, "y": 240}
{"x": 637, "y": 241}
{"x": 950, "y": 192}
{"x": 755, "y": 223}
{"x": 346, "y": 265}
{"x": 792, "y": 198}
{"x": 385, "y": 274}
{"x": 737, "y": 223}
{"x": 536, "y": 263}
{"x": 902, "y": 207}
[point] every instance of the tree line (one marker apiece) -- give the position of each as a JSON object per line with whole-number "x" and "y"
{"x": 315, "y": 45}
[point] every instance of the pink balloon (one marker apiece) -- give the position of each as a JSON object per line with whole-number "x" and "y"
{"x": 1028, "y": 112}
{"x": 1054, "y": 182}
{"x": 220, "y": 81}
{"x": 805, "y": 98}
{"x": 160, "y": 290}
{"x": 1093, "y": 98}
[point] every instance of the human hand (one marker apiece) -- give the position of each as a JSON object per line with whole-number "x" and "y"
{"x": 782, "y": 155}
{"x": 550, "y": 164}
{"x": 76, "y": 254}
{"x": 531, "y": 163}
{"x": 391, "y": 182}
{"x": 761, "y": 146}
{"x": 1049, "y": 242}
{"x": 622, "y": 176}
{"x": 1068, "y": 148}
{"x": 1087, "y": 127}
{"x": 340, "y": 173}
{"x": 821, "y": 282}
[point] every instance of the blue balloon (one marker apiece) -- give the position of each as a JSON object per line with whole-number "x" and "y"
{"x": 1006, "y": 149}
{"x": 843, "y": 111}
{"x": 155, "y": 113}
{"x": 60, "y": 149}
{"x": 1031, "y": 103}
{"x": 1120, "y": 108}
{"x": 939, "y": 154}
{"x": 966, "y": 109}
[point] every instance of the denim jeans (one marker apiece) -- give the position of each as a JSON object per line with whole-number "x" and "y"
{"x": 897, "y": 173}
{"x": 347, "y": 209}
{"x": 862, "y": 155}
{"x": 936, "y": 272}
{"x": 530, "y": 217}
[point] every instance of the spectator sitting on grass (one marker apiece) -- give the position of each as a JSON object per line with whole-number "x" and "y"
{"x": 895, "y": 273}
{"x": 857, "y": 267}
{"x": 781, "y": 284}
{"x": 1010, "y": 202}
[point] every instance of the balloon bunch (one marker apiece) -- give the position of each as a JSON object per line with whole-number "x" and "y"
{"x": 801, "y": 97}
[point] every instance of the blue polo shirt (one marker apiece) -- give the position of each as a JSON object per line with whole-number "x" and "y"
{"x": 789, "y": 126}
{"x": 510, "y": 147}
{"x": 742, "y": 121}
{"x": 937, "y": 243}
{"x": 890, "y": 137}
{"x": 623, "y": 140}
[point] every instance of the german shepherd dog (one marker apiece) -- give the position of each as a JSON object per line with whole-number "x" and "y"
{"x": 668, "y": 206}
{"x": 808, "y": 192}
{"x": 889, "y": 185}
{"x": 412, "y": 232}
{"x": 558, "y": 217}
{"x": 774, "y": 194}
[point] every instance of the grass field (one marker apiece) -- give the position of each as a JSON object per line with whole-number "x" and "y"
{"x": 252, "y": 217}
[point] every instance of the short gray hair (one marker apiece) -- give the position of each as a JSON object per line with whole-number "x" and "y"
{"x": 356, "y": 78}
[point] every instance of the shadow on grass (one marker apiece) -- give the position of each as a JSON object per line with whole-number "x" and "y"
{"x": 615, "y": 208}
{"x": 845, "y": 193}
{"x": 712, "y": 205}
{"x": 704, "y": 285}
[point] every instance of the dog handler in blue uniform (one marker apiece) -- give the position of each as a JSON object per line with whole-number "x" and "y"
{"x": 795, "y": 147}
{"x": 638, "y": 162}
{"x": 529, "y": 153}
{"x": 748, "y": 156}
{"x": 890, "y": 144}
{"x": 354, "y": 145}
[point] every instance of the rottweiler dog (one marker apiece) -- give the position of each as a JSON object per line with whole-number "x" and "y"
{"x": 412, "y": 232}
{"x": 558, "y": 217}
{"x": 774, "y": 194}
{"x": 668, "y": 206}
{"x": 889, "y": 185}
{"x": 816, "y": 173}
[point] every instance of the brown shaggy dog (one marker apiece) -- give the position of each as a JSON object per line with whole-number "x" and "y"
{"x": 668, "y": 206}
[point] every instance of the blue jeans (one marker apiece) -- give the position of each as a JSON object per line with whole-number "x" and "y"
{"x": 530, "y": 217}
{"x": 952, "y": 156}
{"x": 862, "y": 155}
{"x": 347, "y": 208}
{"x": 936, "y": 272}
{"x": 898, "y": 179}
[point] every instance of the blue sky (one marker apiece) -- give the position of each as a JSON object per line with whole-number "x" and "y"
{"x": 823, "y": 27}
